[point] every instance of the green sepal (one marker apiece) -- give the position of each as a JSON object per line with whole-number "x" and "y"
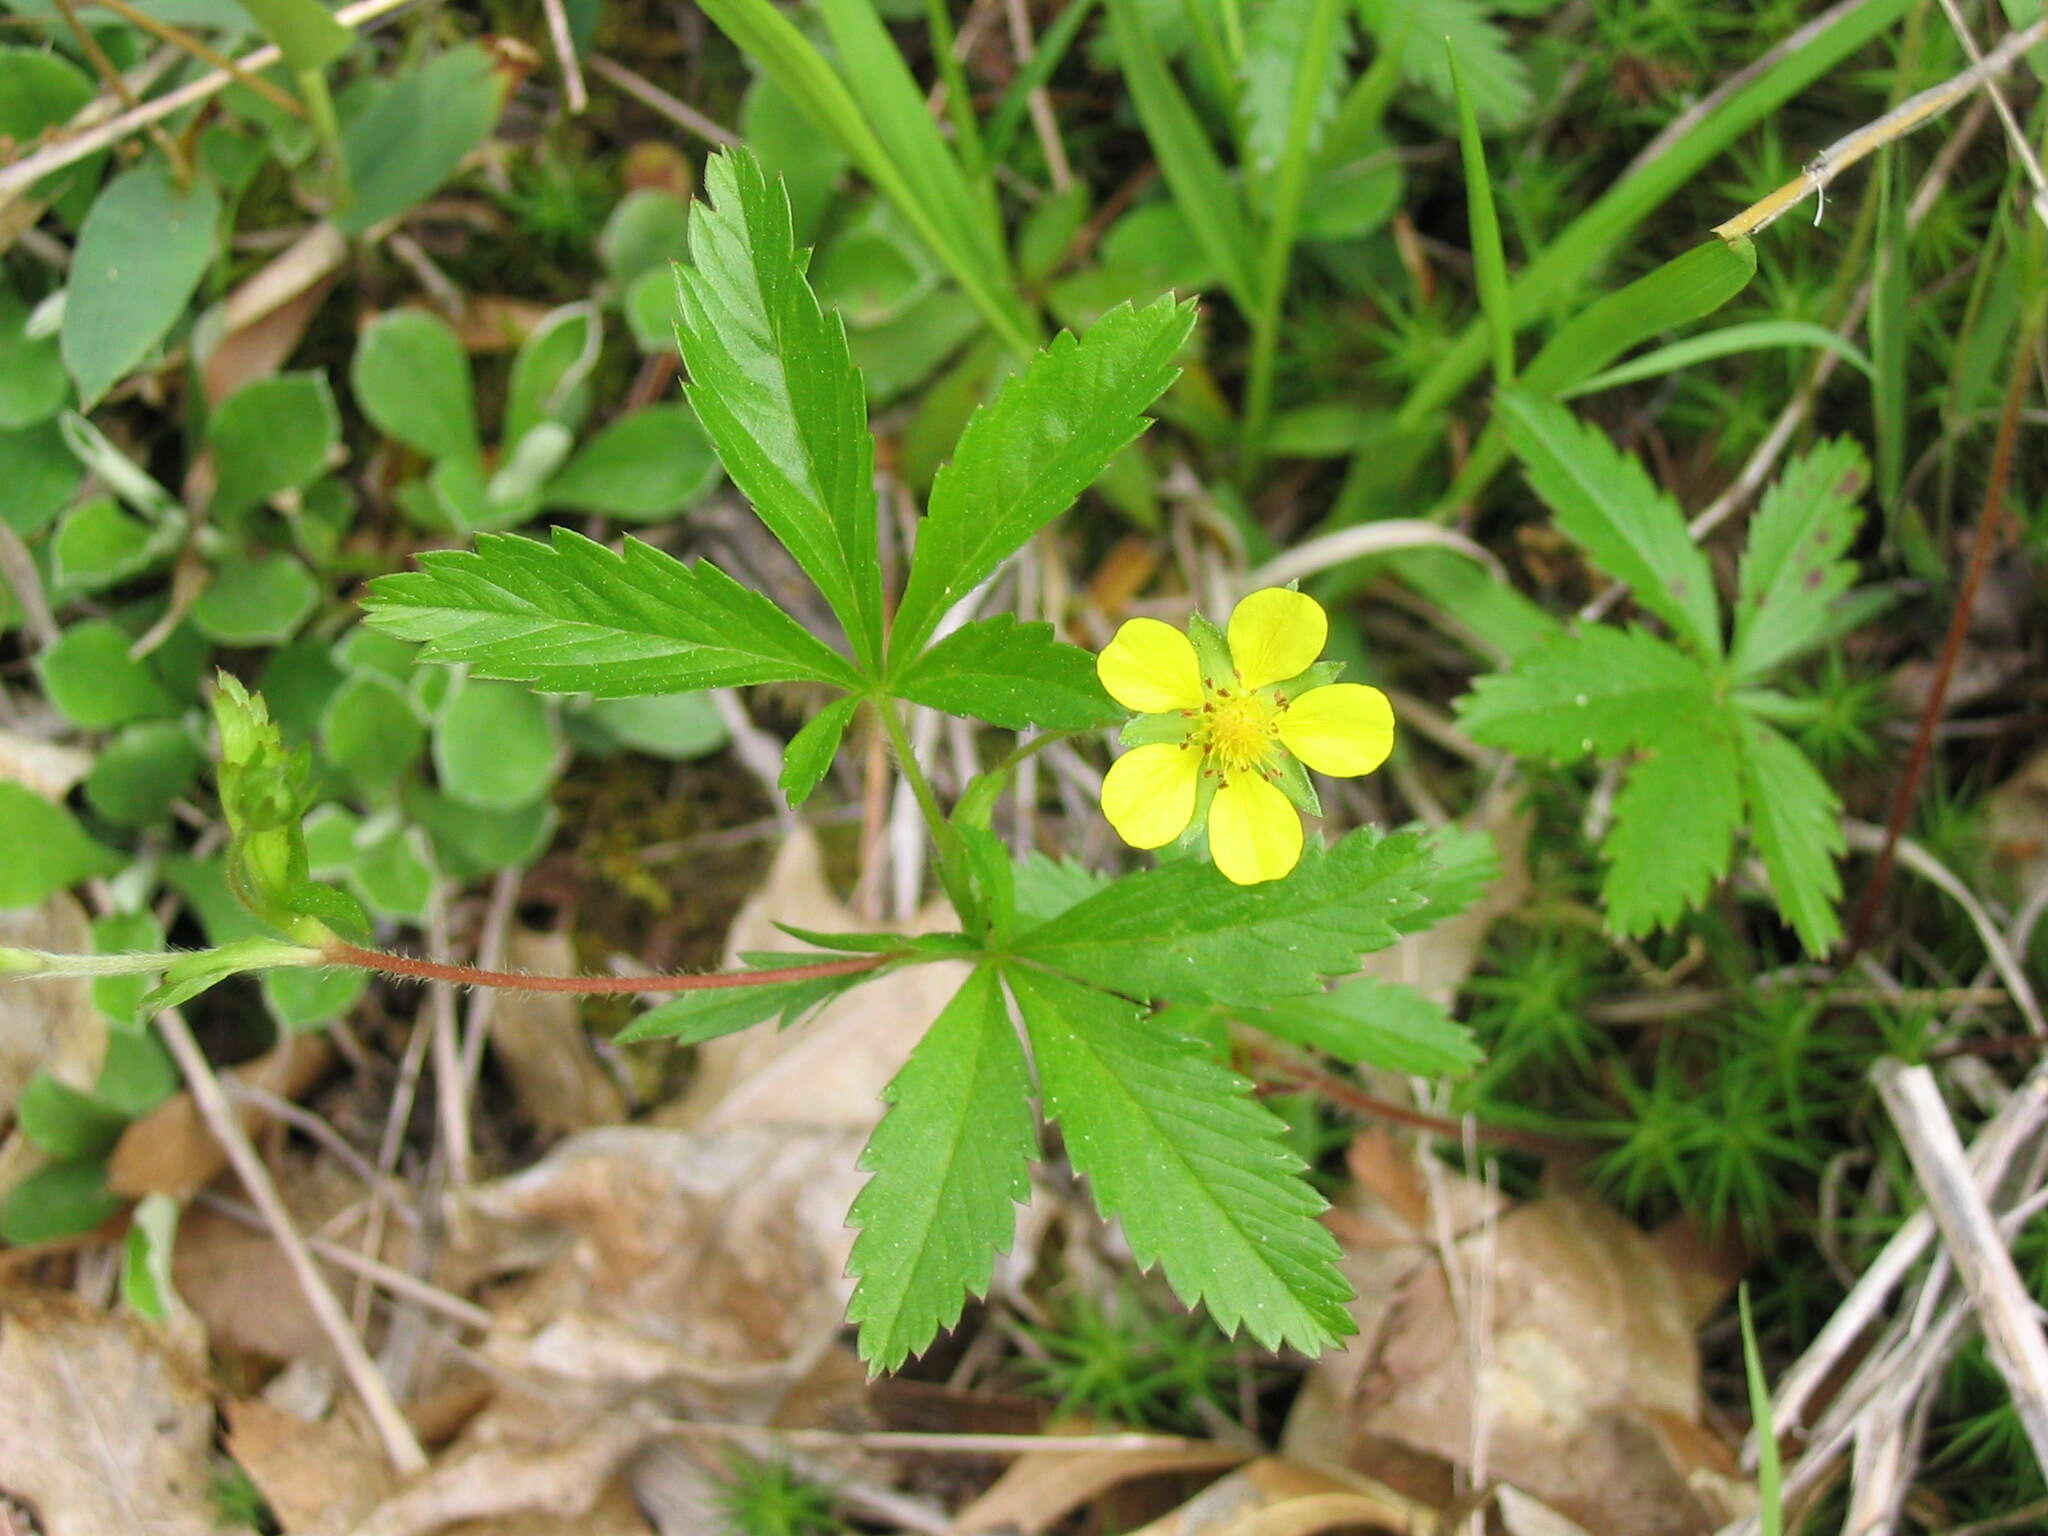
{"x": 1212, "y": 652}
{"x": 1172, "y": 726}
{"x": 1292, "y": 780}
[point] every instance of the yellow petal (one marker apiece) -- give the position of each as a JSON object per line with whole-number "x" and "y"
{"x": 1254, "y": 832}
{"x": 1149, "y": 793}
{"x": 1274, "y": 634}
{"x": 1344, "y": 729}
{"x": 1150, "y": 667}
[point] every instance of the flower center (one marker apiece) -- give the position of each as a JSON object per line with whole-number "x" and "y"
{"x": 1239, "y": 731}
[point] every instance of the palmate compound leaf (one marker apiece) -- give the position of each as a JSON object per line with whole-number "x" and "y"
{"x": 951, "y": 1161}
{"x": 1796, "y": 822}
{"x": 1674, "y": 823}
{"x": 1603, "y": 690}
{"x": 1031, "y": 450}
{"x": 1012, "y": 675}
{"x": 575, "y": 617}
{"x": 1183, "y": 933}
{"x": 1607, "y": 504}
{"x": 774, "y": 385}
{"x": 1178, "y": 1151}
{"x": 1792, "y": 569}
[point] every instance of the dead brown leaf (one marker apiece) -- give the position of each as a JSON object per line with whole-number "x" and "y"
{"x": 48, "y": 1024}
{"x": 170, "y": 1151}
{"x": 1277, "y": 1497}
{"x": 560, "y": 1084}
{"x": 829, "y": 1070}
{"x": 1037, "y": 1491}
{"x": 102, "y": 1428}
{"x": 1585, "y": 1386}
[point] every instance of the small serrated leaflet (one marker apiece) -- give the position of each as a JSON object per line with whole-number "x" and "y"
{"x": 950, "y": 1164}
{"x": 1179, "y": 1152}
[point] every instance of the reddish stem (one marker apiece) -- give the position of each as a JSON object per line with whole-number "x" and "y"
{"x": 340, "y": 953}
{"x": 1280, "y": 1072}
{"x": 1988, "y": 524}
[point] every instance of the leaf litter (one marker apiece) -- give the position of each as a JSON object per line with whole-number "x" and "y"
{"x": 663, "y": 1292}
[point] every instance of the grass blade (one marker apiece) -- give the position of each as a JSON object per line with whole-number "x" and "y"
{"x": 1729, "y": 341}
{"x": 1596, "y": 234}
{"x": 1194, "y": 172}
{"x": 1489, "y": 259}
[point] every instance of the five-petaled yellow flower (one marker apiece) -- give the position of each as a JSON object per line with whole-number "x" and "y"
{"x": 1226, "y": 723}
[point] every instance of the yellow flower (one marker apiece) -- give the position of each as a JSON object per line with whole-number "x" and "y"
{"x": 1227, "y": 722}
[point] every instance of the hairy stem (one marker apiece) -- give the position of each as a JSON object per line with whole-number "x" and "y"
{"x": 339, "y": 952}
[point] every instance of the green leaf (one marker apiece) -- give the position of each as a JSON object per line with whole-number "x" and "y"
{"x": 1177, "y": 1150}
{"x": 1194, "y": 172}
{"x": 270, "y": 436}
{"x": 549, "y": 372}
{"x": 791, "y": 149}
{"x": 1434, "y": 32}
{"x": 575, "y": 617}
{"x": 1372, "y": 1023}
{"x": 61, "y": 1200}
{"x": 1047, "y": 887}
{"x": 1271, "y": 73}
{"x": 138, "y": 1073}
{"x": 412, "y": 379}
{"x": 412, "y": 136}
{"x": 41, "y": 90}
{"x": 33, "y": 384}
{"x": 494, "y": 745}
{"x": 469, "y": 843}
{"x": 642, "y": 468}
{"x": 1674, "y": 823}
{"x": 119, "y": 998}
{"x": 100, "y": 544}
{"x": 63, "y": 1122}
{"x": 1796, "y": 822}
{"x": 140, "y": 772}
{"x": 42, "y": 476}
{"x": 1607, "y": 505}
{"x": 646, "y": 231}
{"x": 89, "y": 675}
{"x": 256, "y": 600}
{"x": 371, "y": 732}
{"x": 308, "y": 997}
{"x": 305, "y": 31}
{"x": 1184, "y": 933}
{"x": 950, "y": 1160}
{"x": 1792, "y": 569}
{"x": 810, "y": 752}
{"x": 1026, "y": 455}
{"x": 1603, "y": 690}
{"x": 690, "y": 1018}
{"x": 46, "y": 848}
{"x": 140, "y": 255}
{"x": 146, "y": 1253}
{"x": 677, "y": 726}
{"x": 1009, "y": 674}
{"x": 773, "y": 384}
